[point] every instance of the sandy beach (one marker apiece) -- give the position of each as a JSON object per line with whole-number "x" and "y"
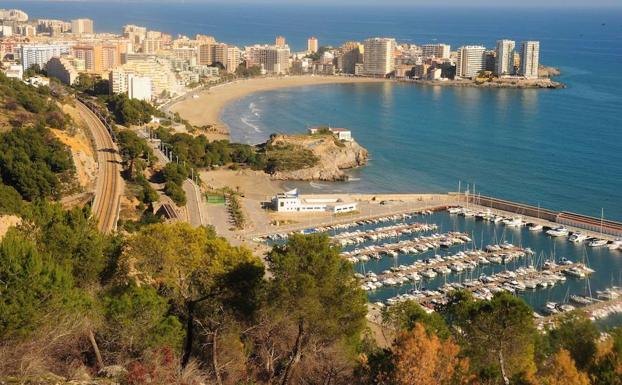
{"x": 206, "y": 107}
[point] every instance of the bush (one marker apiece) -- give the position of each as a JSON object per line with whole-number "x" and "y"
{"x": 130, "y": 111}
{"x": 175, "y": 192}
{"x": 31, "y": 161}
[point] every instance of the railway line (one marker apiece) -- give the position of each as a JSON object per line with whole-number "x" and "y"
{"x": 108, "y": 186}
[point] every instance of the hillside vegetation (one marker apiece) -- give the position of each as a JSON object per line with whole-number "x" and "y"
{"x": 32, "y": 161}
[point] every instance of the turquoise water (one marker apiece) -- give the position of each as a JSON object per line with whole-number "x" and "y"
{"x": 559, "y": 148}
{"x": 607, "y": 263}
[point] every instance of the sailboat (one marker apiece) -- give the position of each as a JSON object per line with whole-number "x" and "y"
{"x": 599, "y": 242}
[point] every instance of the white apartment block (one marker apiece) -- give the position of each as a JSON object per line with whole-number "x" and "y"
{"x": 529, "y": 59}
{"x": 162, "y": 77}
{"x": 438, "y": 51}
{"x": 471, "y": 61}
{"x": 41, "y": 53}
{"x": 273, "y": 59}
{"x": 504, "y": 64}
{"x": 139, "y": 87}
{"x": 378, "y": 57}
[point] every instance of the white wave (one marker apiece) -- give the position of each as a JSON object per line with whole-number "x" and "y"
{"x": 254, "y": 109}
{"x": 251, "y": 125}
{"x": 350, "y": 179}
{"x": 317, "y": 186}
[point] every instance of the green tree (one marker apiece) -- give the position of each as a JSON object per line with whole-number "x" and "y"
{"x": 70, "y": 238}
{"x": 498, "y": 335}
{"x": 404, "y": 316}
{"x": 133, "y": 147}
{"x": 189, "y": 265}
{"x": 314, "y": 288}
{"x": 578, "y": 335}
{"x": 10, "y": 200}
{"x": 607, "y": 370}
{"x": 137, "y": 319}
{"x": 33, "y": 162}
{"x": 176, "y": 193}
{"x": 33, "y": 288}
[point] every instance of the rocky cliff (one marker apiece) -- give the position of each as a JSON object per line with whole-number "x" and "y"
{"x": 329, "y": 157}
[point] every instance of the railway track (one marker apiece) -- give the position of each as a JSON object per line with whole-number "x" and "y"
{"x": 108, "y": 185}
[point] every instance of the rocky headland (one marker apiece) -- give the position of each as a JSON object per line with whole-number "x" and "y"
{"x": 314, "y": 157}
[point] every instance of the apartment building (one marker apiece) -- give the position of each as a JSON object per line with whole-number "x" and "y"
{"x": 379, "y": 56}
{"x": 529, "y": 59}
{"x": 471, "y": 61}
{"x": 504, "y": 62}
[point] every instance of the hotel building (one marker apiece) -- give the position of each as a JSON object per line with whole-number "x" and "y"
{"x": 529, "y": 59}
{"x": 505, "y": 57}
{"x": 471, "y": 61}
{"x": 272, "y": 59}
{"x": 379, "y": 56}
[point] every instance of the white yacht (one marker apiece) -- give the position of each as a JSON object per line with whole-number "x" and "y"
{"x": 513, "y": 222}
{"x": 535, "y": 227}
{"x": 558, "y": 232}
{"x": 597, "y": 243}
{"x": 615, "y": 245}
{"x": 577, "y": 237}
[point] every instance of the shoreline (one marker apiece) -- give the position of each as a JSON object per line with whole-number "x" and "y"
{"x": 206, "y": 108}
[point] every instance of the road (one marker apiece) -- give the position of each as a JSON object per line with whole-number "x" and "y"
{"x": 193, "y": 204}
{"x": 109, "y": 186}
{"x": 195, "y": 207}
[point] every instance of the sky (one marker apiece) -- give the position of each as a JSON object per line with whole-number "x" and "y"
{"x": 428, "y": 3}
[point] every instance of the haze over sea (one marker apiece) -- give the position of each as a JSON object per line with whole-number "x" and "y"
{"x": 561, "y": 149}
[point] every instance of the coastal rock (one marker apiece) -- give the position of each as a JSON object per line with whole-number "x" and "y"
{"x": 548, "y": 72}
{"x": 333, "y": 156}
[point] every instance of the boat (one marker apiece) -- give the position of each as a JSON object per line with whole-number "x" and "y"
{"x": 581, "y": 299}
{"x": 577, "y": 237}
{"x": 575, "y": 272}
{"x": 534, "y": 227}
{"x": 566, "y": 307}
{"x": 454, "y": 210}
{"x": 513, "y": 222}
{"x": 608, "y": 294}
{"x": 558, "y": 232}
{"x": 429, "y": 273}
{"x": 597, "y": 243}
{"x": 550, "y": 308}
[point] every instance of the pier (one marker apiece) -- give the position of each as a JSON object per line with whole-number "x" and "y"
{"x": 595, "y": 227}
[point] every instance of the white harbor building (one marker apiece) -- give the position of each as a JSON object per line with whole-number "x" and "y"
{"x": 292, "y": 202}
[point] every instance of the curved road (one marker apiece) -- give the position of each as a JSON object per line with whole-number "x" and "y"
{"x": 108, "y": 186}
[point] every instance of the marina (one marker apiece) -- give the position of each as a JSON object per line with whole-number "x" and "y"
{"x": 426, "y": 253}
